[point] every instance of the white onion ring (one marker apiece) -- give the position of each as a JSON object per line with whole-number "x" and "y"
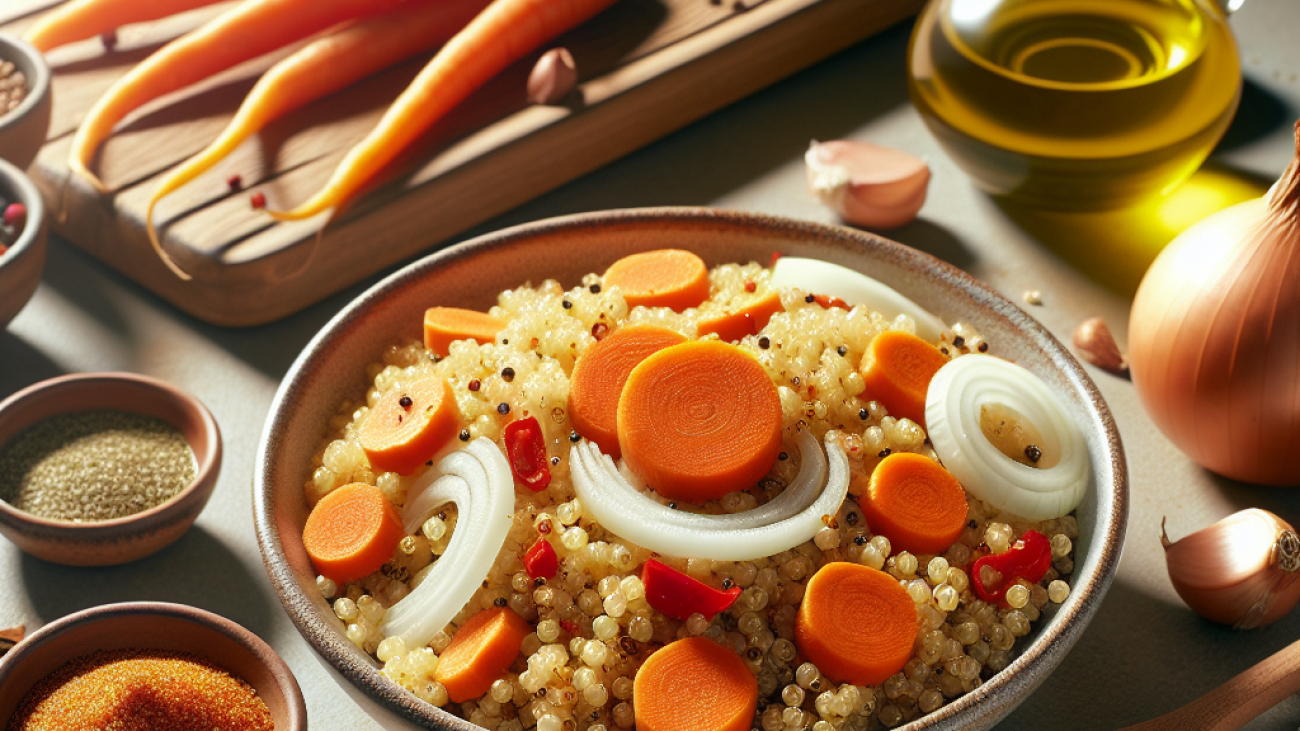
{"x": 856, "y": 288}
{"x": 952, "y": 416}
{"x": 775, "y": 526}
{"x": 484, "y": 492}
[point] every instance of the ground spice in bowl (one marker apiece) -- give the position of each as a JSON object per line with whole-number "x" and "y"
{"x": 139, "y": 690}
{"x": 94, "y": 465}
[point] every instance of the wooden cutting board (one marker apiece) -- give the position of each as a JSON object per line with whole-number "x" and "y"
{"x": 646, "y": 67}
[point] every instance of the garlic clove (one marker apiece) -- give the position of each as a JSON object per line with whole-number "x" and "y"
{"x": 867, "y": 185}
{"x": 1240, "y": 571}
{"x": 553, "y": 77}
{"x": 1094, "y": 342}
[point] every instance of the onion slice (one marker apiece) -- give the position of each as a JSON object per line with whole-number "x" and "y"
{"x": 856, "y": 288}
{"x": 477, "y": 479}
{"x": 952, "y": 414}
{"x": 782, "y": 523}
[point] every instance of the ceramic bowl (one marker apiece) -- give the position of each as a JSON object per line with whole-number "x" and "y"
{"x": 333, "y": 367}
{"x": 110, "y": 542}
{"x": 154, "y": 626}
{"x": 23, "y": 130}
{"x": 24, "y": 261}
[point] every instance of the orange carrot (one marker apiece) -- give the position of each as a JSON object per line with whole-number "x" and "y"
{"x": 321, "y": 68}
{"x": 915, "y": 503}
{"x": 665, "y": 278}
{"x": 856, "y": 624}
{"x": 897, "y": 369}
{"x": 599, "y": 375}
{"x": 499, "y": 36}
{"x": 351, "y": 532}
{"x": 480, "y": 652}
{"x": 693, "y": 684}
{"x": 747, "y": 319}
{"x": 445, "y": 325}
{"x": 408, "y": 425}
{"x": 81, "y": 19}
{"x": 248, "y": 30}
{"x": 699, "y": 420}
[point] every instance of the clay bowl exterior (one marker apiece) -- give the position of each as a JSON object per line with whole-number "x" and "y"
{"x": 154, "y": 626}
{"x": 333, "y": 365}
{"x": 21, "y": 266}
{"x": 117, "y": 541}
{"x": 23, "y": 131}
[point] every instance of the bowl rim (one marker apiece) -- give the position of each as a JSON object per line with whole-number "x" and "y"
{"x": 38, "y": 79}
{"x": 144, "y": 520}
{"x": 972, "y": 709}
{"x": 31, "y": 198}
{"x": 257, "y": 647}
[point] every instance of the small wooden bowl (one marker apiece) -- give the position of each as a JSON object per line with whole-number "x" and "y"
{"x": 21, "y": 266}
{"x": 117, "y": 541}
{"x": 154, "y": 626}
{"x": 23, "y": 131}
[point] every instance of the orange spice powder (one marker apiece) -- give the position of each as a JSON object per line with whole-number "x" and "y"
{"x": 141, "y": 690}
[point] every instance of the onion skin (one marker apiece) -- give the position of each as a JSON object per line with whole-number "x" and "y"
{"x": 1214, "y": 338}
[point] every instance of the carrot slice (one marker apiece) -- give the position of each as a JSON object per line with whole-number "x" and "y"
{"x": 665, "y": 278}
{"x": 351, "y": 532}
{"x": 480, "y": 652}
{"x": 445, "y": 325}
{"x": 897, "y": 369}
{"x": 915, "y": 503}
{"x": 692, "y": 684}
{"x": 81, "y": 19}
{"x": 699, "y": 420}
{"x": 599, "y": 375}
{"x": 856, "y": 624}
{"x": 408, "y": 425}
{"x": 735, "y": 324}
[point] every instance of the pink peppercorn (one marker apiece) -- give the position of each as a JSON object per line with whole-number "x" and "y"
{"x": 235, "y": 183}
{"x": 258, "y": 200}
{"x": 15, "y": 215}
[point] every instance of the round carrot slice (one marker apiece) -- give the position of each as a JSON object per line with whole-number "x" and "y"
{"x": 480, "y": 652}
{"x": 664, "y": 278}
{"x": 694, "y": 684}
{"x": 897, "y": 369}
{"x": 699, "y": 420}
{"x": 445, "y": 325}
{"x": 351, "y": 532}
{"x": 856, "y": 624}
{"x": 915, "y": 503}
{"x": 599, "y": 375}
{"x": 408, "y": 425}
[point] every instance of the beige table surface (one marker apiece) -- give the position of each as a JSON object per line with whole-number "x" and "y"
{"x": 1144, "y": 653}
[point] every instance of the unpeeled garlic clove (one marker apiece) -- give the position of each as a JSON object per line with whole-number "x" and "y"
{"x": 1240, "y": 571}
{"x": 553, "y": 77}
{"x": 867, "y": 185}
{"x": 1097, "y": 346}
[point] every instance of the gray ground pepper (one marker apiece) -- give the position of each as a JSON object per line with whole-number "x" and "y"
{"x": 94, "y": 465}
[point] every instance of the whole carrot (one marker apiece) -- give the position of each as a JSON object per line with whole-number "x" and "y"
{"x": 498, "y": 37}
{"x": 81, "y": 19}
{"x": 248, "y": 30}
{"x": 318, "y": 69}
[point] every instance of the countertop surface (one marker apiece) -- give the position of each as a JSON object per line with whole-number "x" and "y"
{"x": 1144, "y": 653}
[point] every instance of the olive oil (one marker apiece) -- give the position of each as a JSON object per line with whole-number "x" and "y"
{"x": 1075, "y": 104}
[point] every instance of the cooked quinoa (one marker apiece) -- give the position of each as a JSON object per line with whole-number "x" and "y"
{"x": 593, "y": 625}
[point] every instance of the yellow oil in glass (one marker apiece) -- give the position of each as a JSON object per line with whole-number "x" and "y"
{"x": 1075, "y": 104}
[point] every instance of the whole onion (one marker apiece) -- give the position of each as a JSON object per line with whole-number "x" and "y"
{"x": 1214, "y": 338}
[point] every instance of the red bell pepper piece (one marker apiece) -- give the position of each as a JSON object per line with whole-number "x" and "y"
{"x": 679, "y": 596}
{"x": 540, "y": 560}
{"x": 526, "y": 448}
{"x": 1029, "y": 559}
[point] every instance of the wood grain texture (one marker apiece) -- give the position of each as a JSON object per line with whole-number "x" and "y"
{"x": 647, "y": 67}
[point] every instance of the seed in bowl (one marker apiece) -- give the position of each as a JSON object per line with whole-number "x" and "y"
{"x": 711, "y": 464}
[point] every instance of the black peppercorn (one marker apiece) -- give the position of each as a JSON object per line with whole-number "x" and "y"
{"x": 503, "y": 408}
{"x": 567, "y": 305}
{"x": 405, "y": 402}
{"x": 595, "y": 289}
{"x": 573, "y": 437}
{"x": 764, "y": 343}
{"x": 863, "y": 414}
{"x": 884, "y": 453}
{"x": 508, "y": 374}
{"x": 843, "y": 350}
{"x": 1033, "y": 453}
{"x": 464, "y": 435}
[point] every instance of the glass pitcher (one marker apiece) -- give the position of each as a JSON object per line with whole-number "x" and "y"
{"x": 1075, "y": 104}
